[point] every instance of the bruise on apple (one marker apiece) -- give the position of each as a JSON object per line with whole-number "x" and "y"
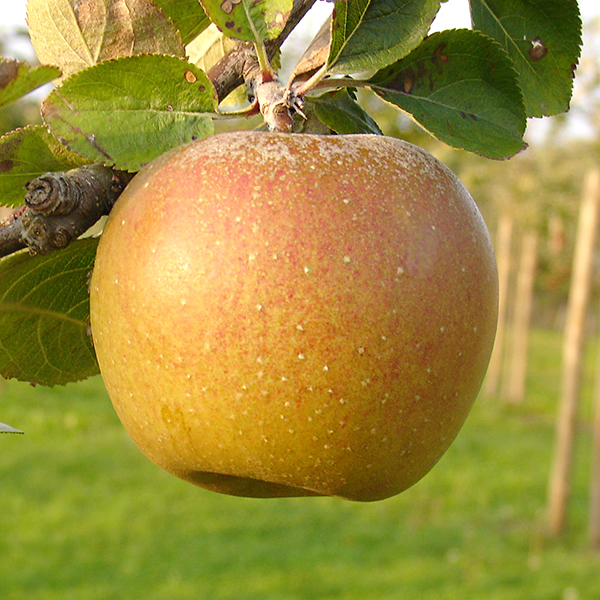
{"x": 287, "y": 315}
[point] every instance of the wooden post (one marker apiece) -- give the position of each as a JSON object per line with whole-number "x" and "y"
{"x": 594, "y": 518}
{"x": 503, "y": 245}
{"x": 517, "y": 374}
{"x": 560, "y": 479}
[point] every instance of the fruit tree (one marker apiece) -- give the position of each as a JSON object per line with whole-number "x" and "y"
{"x": 307, "y": 309}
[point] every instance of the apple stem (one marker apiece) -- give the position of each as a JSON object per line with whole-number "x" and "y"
{"x": 264, "y": 63}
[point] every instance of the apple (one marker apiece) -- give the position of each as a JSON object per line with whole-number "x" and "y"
{"x": 294, "y": 315}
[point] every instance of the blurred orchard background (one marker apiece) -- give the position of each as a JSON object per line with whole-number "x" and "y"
{"x": 511, "y": 512}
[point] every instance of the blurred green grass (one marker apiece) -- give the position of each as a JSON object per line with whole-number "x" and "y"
{"x": 84, "y": 516}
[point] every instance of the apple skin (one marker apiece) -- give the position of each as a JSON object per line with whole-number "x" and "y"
{"x": 293, "y": 315}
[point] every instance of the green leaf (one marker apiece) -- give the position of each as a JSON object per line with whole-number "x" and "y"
{"x": 75, "y": 34}
{"x": 127, "y": 111}
{"x": 460, "y": 86}
{"x": 44, "y": 313}
{"x": 368, "y": 35}
{"x": 543, "y": 38}
{"x": 18, "y": 78}
{"x": 249, "y": 20}
{"x": 341, "y": 113}
{"x": 26, "y": 154}
{"x": 4, "y": 428}
{"x": 187, "y": 16}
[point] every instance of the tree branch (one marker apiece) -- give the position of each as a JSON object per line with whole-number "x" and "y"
{"x": 241, "y": 64}
{"x": 59, "y": 207}
{"x": 11, "y": 232}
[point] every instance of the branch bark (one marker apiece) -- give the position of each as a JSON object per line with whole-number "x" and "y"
{"x": 59, "y": 207}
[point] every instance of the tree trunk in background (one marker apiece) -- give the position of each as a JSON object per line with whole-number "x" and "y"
{"x": 594, "y": 524}
{"x": 503, "y": 245}
{"x": 560, "y": 479}
{"x": 517, "y": 374}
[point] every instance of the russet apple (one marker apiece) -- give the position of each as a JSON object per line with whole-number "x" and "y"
{"x": 291, "y": 315}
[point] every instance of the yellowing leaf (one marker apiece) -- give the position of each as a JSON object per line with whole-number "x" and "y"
{"x": 74, "y": 34}
{"x": 206, "y": 51}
